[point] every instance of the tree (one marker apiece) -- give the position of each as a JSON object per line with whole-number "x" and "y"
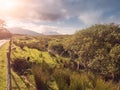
{"x": 4, "y": 33}
{"x": 2, "y": 23}
{"x": 98, "y": 50}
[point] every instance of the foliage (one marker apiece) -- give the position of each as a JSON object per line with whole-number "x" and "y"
{"x": 95, "y": 46}
{"x": 42, "y": 74}
{"x": 67, "y": 80}
{"x": 56, "y": 47}
{"x": 31, "y": 42}
{"x": 21, "y": 66}
{"x": 87, "y": 60}
{"x": 4, "y": 33}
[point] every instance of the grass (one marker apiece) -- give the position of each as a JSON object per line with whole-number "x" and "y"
{"x": 78, "y": 81}
{"x": 35, "y": 56}
{"x": 3, "y": 82}
{"x": 17, "y": 81}
{"x": 20, "y": 82}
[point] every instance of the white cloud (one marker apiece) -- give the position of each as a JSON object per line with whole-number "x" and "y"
{"x": 41, "y": 28}
{"x": 113, "y": 19}
{"x": 92, "y": 17}
{"x": 52, "y": 10}
{"x": 48, "y": 28}
{"x": 28, "y": 12}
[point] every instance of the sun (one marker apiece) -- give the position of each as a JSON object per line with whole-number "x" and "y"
{"x": 8, "y": 5}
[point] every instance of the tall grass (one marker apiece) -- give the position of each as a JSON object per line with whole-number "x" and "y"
{"x": 68, "y": 80}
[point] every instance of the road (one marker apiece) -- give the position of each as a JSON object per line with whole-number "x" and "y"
{"x": 2, "y": 42}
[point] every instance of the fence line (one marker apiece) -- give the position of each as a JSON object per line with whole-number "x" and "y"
{"x": 9, "y": 83}
{"x": 9, "y": 73}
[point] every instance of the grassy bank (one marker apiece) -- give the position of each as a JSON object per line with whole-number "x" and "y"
{"x": 3, "y": 58}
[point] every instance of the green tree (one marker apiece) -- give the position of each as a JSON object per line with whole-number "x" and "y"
{"x": 95, "y": 45}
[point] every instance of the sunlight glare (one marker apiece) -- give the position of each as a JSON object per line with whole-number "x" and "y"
{"x": 8, "y": 5}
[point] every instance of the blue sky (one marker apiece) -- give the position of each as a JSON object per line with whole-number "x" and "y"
{"x": 63, "y": 16}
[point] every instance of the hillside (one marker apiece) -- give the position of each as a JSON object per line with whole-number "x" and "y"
{"x": 17, "y": 30}
{"x": 50, "y": 33}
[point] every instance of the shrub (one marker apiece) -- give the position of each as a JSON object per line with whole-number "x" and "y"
{"x": 69, "y": 80}
{"x": 56, "y": 47}
{"x": 42, "y": 74}
{"x": 21, "y": 66}
{"x": 62, "y": 79}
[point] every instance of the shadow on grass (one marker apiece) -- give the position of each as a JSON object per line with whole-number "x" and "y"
{"x": 15, "y": 82}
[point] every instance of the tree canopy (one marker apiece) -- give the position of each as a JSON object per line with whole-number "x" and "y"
{"x": 4, "y": 33}
{"x": 98, "y": 48}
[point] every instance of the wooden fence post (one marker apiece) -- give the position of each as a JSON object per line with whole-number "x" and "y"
{"x": 9, "y": 84}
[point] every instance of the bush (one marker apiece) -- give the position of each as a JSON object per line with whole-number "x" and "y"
{"x": 56, "y": 48}
{"x": 62, "y": 79}
{"x": 98, "y": 50}
{"x": 42, "y": 74}
{"x": 21, "y": 66}
{"x": 69, "y": 80}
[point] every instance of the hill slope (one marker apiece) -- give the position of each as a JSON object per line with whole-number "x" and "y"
{"x": 50, "y": 33}
{"x": 18, "y": 30}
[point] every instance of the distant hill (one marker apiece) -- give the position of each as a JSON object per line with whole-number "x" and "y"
{"x": 18, "y": 30}
{"x": 4, "y": 33}
{"x": 50, "y": 33}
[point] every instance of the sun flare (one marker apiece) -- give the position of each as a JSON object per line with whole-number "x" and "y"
{"x": 8, "y": 5}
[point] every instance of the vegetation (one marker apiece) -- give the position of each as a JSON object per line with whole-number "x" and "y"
{"x": 4, "y": 33}
{"x": 3, "y": 67}
{"x": 87, "y": 60}
{"x": 98, "y": 48}
{"x": 61, "y": 79}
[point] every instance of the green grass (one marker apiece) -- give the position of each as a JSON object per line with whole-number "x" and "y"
{"x": 34, "y": 54}
{"x": 17, "y": 81}
{"x": 3, "y": 82}
{"x": 20, "y": 83}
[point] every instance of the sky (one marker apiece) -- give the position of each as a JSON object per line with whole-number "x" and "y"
{"x": 62, "y": 16}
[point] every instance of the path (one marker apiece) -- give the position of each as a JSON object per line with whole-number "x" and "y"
{"x": 2, "y": 42}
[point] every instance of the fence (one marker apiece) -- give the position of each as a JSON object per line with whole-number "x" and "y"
{"x": 10, "y": 75}
{"x": 9, "y": 84}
